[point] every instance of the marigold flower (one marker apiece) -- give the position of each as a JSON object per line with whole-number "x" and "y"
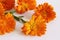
{"x": 1, "y": 9}
{"x": 30, "y": 3}
{"x": 8, "y": 4}
{"x": 46, "y": 11}
{"x": 7, "y": 23}
{"x": 21, "y": 8}
{"x": 36, "y": 26}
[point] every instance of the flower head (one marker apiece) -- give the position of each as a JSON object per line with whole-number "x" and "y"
{"x": 46, "y": 11}
{"x": 7, "y": 23}
{"x": 31, "y": 3}
{"x": 36, "y": 26}
{"x": 23, "y": 7}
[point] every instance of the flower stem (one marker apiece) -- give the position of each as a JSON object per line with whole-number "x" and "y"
{"x": 19, "y": 19}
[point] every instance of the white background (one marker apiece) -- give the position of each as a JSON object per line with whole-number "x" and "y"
{"x": 53, "y": 28}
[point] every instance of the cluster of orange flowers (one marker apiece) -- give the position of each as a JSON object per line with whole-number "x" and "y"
{"x": 37, "y": 25}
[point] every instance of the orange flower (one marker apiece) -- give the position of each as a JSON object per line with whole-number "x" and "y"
{"x": 7, "y": 23}
{"x": 8, "y": 4}
{"x": 1, "y": 9}
{"x": 46, "y": 11}
{"x": 21, "y": 8}
{"x": 31, "y": 3}
{"x": 36, "y": 26}
{"x": 24, "y": 5}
